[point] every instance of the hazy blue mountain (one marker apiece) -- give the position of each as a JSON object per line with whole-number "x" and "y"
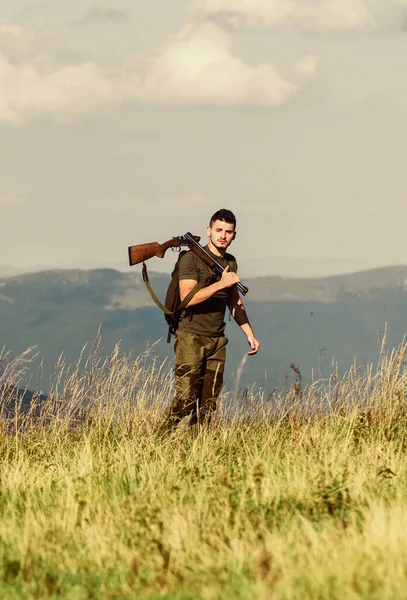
{"x": 302, "y": 321}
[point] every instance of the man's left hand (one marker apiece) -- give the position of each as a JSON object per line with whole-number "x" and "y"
{"x": 254, "y": 344}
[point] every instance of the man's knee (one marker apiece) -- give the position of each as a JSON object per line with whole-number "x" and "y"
{"x": 212, "y": 386}
{"x": 211, "y": 389}
{"x": 188, "y": 382}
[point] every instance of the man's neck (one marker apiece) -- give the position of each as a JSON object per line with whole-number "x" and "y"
{"x": 216, "y": 251}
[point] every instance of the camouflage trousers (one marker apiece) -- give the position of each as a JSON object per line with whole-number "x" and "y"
{"x": 200, "y": 364}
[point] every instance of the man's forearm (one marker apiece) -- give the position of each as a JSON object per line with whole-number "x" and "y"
{"x": 240, "y": 316}
{"x": 205, "y": 293}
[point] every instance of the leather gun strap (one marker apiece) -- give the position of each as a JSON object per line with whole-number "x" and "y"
{"x": 185, "y": 301}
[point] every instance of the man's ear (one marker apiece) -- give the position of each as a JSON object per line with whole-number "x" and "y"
{"x": 208, "y": 231}
{"x": 234, "y": 235}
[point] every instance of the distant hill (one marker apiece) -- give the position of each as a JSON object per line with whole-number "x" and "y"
{"x": 303, "y": 321}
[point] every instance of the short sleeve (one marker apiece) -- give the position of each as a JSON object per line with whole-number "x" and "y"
{"x": 188, "y": 268}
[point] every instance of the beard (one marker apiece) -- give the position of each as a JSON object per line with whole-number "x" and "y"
{"x": 219, "y": 244}
{"x": 221, "y": 248}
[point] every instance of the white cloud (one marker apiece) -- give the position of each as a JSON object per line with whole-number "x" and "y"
{"x": 333, "y": 15}
{"x": 307, "y": 65}
{"x": 28, "y": 91}
{"x": 13, "y": 37}
{"x": 198, "y": 66}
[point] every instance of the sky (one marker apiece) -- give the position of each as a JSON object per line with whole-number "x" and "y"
{"x": 129, "y": 122}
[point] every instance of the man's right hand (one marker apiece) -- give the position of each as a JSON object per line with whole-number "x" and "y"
{"x": 229, "y": 278}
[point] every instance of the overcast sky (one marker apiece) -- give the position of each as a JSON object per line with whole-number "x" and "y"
{"x": 130, "y": 121}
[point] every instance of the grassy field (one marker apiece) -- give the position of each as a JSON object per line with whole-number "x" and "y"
{"x": 298, "y": 496}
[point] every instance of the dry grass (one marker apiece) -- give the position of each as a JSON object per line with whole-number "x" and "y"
{"x": 300, "y": 497}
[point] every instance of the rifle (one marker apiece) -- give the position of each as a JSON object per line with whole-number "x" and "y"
{"x": 142, "y": 252}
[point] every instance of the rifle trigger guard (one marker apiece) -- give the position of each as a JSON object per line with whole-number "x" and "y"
{"x": 176, "y": 248}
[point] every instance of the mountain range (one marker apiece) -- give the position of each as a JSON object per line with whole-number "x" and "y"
{"x": 308, "y": 322}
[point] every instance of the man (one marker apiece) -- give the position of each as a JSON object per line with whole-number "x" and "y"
{"x": 200, "y": 343}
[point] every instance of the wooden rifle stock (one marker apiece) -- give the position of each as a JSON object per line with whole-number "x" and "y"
{"x": 142, "y": 252}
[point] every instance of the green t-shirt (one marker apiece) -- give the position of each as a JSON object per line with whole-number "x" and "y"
{"x": 205, "y": 318}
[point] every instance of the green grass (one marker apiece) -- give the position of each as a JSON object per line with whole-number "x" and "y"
{"x": 281, "y": 501}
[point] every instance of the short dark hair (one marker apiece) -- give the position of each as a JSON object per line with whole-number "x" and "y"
{"x": 223, "y": 215}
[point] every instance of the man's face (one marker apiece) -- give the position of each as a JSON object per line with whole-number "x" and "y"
{"x": 221, "y": 234}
